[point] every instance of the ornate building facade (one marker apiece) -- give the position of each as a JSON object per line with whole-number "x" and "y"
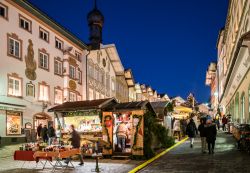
{"x": 42, "y": 65}
{"x": 234, "y": 62}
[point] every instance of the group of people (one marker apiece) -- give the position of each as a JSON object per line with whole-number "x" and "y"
{"x": 48, "y": 135}
{"x": 208, "y": 132}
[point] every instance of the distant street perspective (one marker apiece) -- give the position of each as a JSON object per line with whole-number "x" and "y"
{"x": 124, "y": 86}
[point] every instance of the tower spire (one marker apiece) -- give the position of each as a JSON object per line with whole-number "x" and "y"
{"x": 95, "y": 4}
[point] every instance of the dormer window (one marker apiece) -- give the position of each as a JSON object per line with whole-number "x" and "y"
{"x": 43, "y": 34}
{"x": 25, "y": 23}
{"x": 58, "y": 44}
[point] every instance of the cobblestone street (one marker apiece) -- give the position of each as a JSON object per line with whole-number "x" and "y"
{"x": 185, "y": 159}
{"x": 8, "y": 165}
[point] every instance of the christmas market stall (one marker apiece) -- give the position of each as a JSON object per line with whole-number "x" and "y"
{"x": 86, "y": 116}
{"x": 127, "y": 118}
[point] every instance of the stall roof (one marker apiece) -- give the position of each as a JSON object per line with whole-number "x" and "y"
{"x": 83, "y": 105}
{"x": 129, "y": 106}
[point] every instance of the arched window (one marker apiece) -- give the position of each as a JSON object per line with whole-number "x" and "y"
{"x": 237, "y": 107}
{"x": 242, "y": 117}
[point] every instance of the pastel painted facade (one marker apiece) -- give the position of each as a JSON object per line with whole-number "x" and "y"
{"x": 42, "y": 65}
{"x": 234, "y": 62}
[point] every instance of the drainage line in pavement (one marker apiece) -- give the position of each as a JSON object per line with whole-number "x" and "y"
{"x": 136, "y": 169}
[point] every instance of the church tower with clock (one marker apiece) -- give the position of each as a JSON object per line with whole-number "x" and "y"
{"x": 95, "y": 23}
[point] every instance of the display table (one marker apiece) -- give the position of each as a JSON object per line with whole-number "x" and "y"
{"x": 48, "y": 156}
{"x": 24, "y": 155}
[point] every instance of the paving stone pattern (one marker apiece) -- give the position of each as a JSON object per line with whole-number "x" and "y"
{"x": 183, "y": 159}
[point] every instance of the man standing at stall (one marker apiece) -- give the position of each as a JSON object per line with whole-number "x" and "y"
{"x": 122, "y": 135}
{"x": 75, "y": 142}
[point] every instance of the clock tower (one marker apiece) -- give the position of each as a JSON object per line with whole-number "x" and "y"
{"x": 95, "y": 23}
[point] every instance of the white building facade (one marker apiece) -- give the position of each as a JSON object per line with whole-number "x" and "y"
{"x": 234, "y": 62}
{"x": 41, "y": 65}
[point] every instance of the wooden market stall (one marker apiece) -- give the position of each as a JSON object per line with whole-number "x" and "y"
{"x": 98, "y": 120}
{"x": 132, "y": 114}
{"x": 181, "y": 112}
{"x": 86, "y": 117}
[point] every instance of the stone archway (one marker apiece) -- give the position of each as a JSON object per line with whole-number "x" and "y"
{"x": 41, "y": 118}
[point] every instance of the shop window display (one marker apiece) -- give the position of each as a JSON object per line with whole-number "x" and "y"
{"x": 14, "y": 123}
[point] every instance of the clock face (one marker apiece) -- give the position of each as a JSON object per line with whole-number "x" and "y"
{"x": 104, "y": 62}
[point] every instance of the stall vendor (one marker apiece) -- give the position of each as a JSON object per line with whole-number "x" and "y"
{"x": 122, "y": 132}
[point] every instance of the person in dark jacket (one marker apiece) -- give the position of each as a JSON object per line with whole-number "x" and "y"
{"x": 38, "y": 130}
{"x": 210, "y": 132}
{"x": 201, "y": 129}
{"x": 44, "y": 133}
{"x": 191, "y": 131}
{"x": 75, "y": 142}
{"x": 51, "y": 134}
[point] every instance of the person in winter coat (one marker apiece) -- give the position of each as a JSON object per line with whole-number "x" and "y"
{"x": 201, "y": 129}
{"x": 191, "y": 131}
{"x": 51, "y": 134}
{"x": 210, "y": 132}
{"x": 44, "y": 133}
{"x": 38, "y": 130}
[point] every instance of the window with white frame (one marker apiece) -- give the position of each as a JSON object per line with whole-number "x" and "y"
{"x": 25, "y": 23}
{"x": 59, "y": 44}
{"x": 72, "y": 96}
{"x": 79, "y": 76}
{"x": 43, "y": 92}
{"x": 14, "y": 86}
{"x": 91, "y": 94}
{"x": 14, "y": 48}
{"x": 43, "y": 60}
{"x": 3, "y": 11}
{"x": 58, "y": 67}
{"x": 58, "y": 96}
{"x": 72, "y": 71}
{"x": 43, "y": 34}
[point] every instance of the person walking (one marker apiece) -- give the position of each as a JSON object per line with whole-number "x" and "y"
{"x": 51, "y": 134}
{"x": 224, "y": 123}
{"x": 191, "y": 131}
{"x": 38, "y": 130}
{"x": 210, "y": 133}
{"x": 201, "y": 129}
{"x": 122, "y": 135}
{"x": 44, "y": 133}
{"x": 75, "y": 142}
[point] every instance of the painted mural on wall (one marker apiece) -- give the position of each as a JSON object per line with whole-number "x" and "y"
{"x": 30, "y": 70}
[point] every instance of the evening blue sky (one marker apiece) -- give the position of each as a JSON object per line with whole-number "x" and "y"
{"x": 168, "y": 44}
